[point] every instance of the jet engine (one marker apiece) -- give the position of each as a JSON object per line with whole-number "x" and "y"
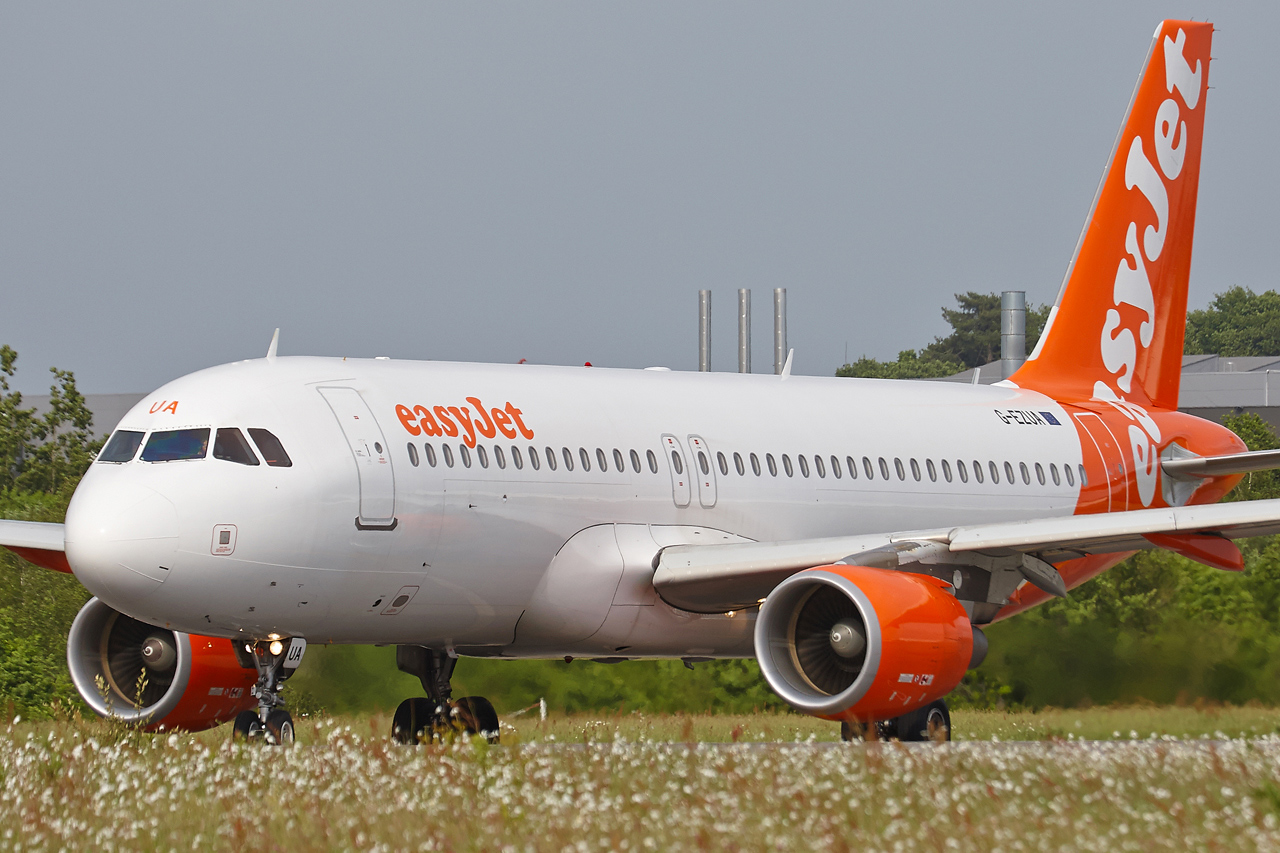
{"x": 855, "y": 643}
{"x": 163, "y": 679}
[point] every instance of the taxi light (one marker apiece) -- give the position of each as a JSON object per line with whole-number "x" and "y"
{"x": 276, "y": 647}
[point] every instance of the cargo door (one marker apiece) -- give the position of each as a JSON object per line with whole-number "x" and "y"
{"x": 678, "y": 465}
{"x": 373, "y": 460}
{"x": 1107, "y": 486}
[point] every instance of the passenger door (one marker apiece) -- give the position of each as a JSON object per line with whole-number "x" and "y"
{"x": 372, "y": 457}
{"x": 678, "y": 465}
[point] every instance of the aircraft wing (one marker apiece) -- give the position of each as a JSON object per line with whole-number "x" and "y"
{"x": 718, "y": 578}
{"x": 37, "y": 542}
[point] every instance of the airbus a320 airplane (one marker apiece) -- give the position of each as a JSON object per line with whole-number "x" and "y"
{"x": 852, "y": 535}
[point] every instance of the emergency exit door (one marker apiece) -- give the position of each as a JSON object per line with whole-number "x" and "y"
{"x": 372, "y": 457}
{"x": 681, "y": 492}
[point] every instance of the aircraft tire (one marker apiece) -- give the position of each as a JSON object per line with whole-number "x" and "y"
{"x": 414, "y": 722}
{"x": 246, "y": 727}
{"x": 477, "y": 716}
{"x": 280, "y": 728}
{"x": 932, "y": 722}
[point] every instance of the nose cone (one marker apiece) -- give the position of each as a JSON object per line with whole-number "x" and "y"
{"x": 121, "y": 539}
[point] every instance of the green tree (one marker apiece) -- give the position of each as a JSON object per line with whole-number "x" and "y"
{"x": 973, "y": 342}
{"x": 1238, "y": 322}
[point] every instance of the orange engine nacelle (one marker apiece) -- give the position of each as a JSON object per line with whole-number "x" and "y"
{"x": 854, "y": 643}
{"x": 189, "y": 682}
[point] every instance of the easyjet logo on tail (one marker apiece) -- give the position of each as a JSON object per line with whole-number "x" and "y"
{"x": 1129, "y": 332}
{"x": 467, "y": 421}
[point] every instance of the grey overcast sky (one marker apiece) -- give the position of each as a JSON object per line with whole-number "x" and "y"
{"x": 555, "y": 181}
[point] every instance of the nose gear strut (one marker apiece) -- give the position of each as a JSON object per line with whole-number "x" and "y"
{"x": 275, "y": 661}
{"x": 437, "y": 717}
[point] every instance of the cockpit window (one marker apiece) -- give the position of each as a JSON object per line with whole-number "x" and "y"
{"x": 122, "y": 447}
{"x": 271, "y": 448}
{"x": 230, "y": 444}
{"x": 174, "y": 444}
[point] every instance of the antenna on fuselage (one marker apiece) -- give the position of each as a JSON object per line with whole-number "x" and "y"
{"x": 275, "y": 342}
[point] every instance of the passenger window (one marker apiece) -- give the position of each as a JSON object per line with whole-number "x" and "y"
{"x": 618, "y": 461}
{"x": 535, "y": 462}
{"x": 755, "y": 464}
{"x": 977, "y": 471}
{"x": 915, "y": 470}
{"x": 229, "y": 444}
{"x": 585, "y": 457}
{"x": 703, "y": 464}
{"x": 804, "y": 464}
{"x": 1040, "y": 473}
{"x": 723, "y": 463}
{"x": 819, "y": 466}
{"x": 786, "y": 465}
{"x": 962, "y": 471}
{"x": 635, "y": 462}
{"x": 568, "y": 458}
{"x": 653, "y": 461}
{"x": 122, "y": 447}
{"x": 897, "y": 466}
{"x": 867, "y": 469}
{"x": 677, "y": 462}
{"x": 773, "y": 465}
{"x": 175, "y": 444}
{"x": 1026, "y": 474}
{"x": 737, "y": 464}
{"x": 551, "y": 459}
{"x": 465, "y": 455}
{"x": 946, "y": 470}
{"x": 1008, "y": 473}
{"x": 1071, "y": 477}
{"x": 270, "y": 447}
{"x": 482, "y": 455}
{"x": 602, "y": 459}
{"x": 517, "y": 456}
{"x": 835, "y": 467}
{"x": 448, "y": 454}
{"x": 995, "y": 471}
{"x": 933, "y": 472}
{"x": 500, "y": 456}
{"x": 413, "y": 454}
{"x": 1053, "y": 472}
{"x": 852, "y": 466}
{"x": 1084, "y": 478}
{"x": 431, "y": 454}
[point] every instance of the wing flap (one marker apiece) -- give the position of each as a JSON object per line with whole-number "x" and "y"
{"x": 716, "y": 578}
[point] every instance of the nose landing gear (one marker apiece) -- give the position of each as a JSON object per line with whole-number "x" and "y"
{"x": 438, "y": 716}
{"x": 275, "y": 660}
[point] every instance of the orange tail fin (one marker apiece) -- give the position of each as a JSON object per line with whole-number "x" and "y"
{"x": 1117, "y": 329}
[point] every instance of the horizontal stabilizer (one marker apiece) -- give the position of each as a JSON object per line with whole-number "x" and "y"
{"x": 1219, "y": 466}
{"x": 36, "y": 542}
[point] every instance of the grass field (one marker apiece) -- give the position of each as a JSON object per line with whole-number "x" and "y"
{"x": 1103, "y": 778}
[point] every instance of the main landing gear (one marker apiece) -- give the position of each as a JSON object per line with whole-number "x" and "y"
{"x": 275, "y": 661}
{"x": 438, "y": 716}
{"x": 930, "y": 723}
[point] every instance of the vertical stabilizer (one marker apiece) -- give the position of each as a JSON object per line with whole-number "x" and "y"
{"x": 1117, "y": 329}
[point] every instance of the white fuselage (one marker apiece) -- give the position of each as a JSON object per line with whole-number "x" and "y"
{"x": 480, "y": 549}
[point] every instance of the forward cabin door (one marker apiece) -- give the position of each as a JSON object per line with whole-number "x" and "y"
{"x": 372, "y": 457}
{"x": 678, "y": 465}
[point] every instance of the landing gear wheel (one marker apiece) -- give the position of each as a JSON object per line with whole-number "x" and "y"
{"x": 247, "y": 727}
{"x": 932, "y": 722}
{"x": 850, "y": 732}
{"x": 414, "y": 722}
{"x": 279, "y": 728}
{"x": 477, "y": 717}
